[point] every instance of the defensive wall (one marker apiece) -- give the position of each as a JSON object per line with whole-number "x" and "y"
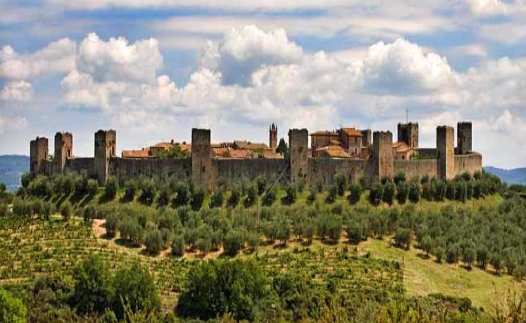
{"x": 205, "y": 171}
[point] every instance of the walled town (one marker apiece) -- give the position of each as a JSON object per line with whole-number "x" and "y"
{"x": 352, "y": 152}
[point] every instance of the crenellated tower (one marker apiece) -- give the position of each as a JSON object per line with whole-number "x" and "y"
{"x": 408, "y": 133}
{"x": 383, "y": 161}
{"x": 464, "y": 138}
{"x": 298, "y": 147}
{"x": 273, "y": 137}
{"x": 445, "y": 152}
{"x": 38, "y": 154}
{"x": 63, "y": 150}
{"x": 201, "y": 159}
{"x": 105, "y": 143}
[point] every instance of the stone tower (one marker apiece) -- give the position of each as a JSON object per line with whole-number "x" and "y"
{"x": 201, "y": 159}
{"x": 38, "y": 152}
{"x": 383, "y": 161}
{"x": 105, "y": 142}
{"x": 445, "y": 152}
{"x": 298, "y": 147}
{"x": 408, "y": 133}
{"x": 63, "y": 150}
{"x": 273, "y": 137}
{"x": 366, "y": 137}
{"x": 464, "y": 138}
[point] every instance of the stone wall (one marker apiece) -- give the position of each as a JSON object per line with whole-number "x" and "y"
{"x": 470, "y": 163}
{"x": 427, "y": 153}
{"x": 232, "y": 171}
{"x": 416, "y": 168}
{"x": 323, "y": 170}
{"x": 79, "y": 165}
{"x": 126, "y": 168}
{"x": 298, "y": 151}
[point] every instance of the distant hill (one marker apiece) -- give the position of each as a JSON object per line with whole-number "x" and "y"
{"x": 510, "y": 176}
{"x": 11, "y": 169}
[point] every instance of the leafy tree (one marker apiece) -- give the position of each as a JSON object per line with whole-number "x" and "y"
{"x": 164, "y": 196}
{"x": 496, "y": 262}
{"x": 130, "y": 189}
{"x": 312, "y": 196}
{"x": 355, "y": 232}
{"x": 182, "y": 195}
{"x": 402, "y": 192}
{"x": 178, "y": 246}
{"x": 251, "y": 196}
{"x": 131, "y": 230}
{"x": 452, "y": 254}
{"x": 439, "y": 254}
{"x": 331, "y": 194}
{"x": 147, "y": 192}
{"x": 451, "y": 190}
{"x": 112, "y": 221}
{"x": 415, "y": 192}
{"x": 11, "y": 309}
{"x": 110, "y": 189}
{"x": 204, "y": 244}
{"x": 468, "y": 256}
{"x": 283, "y": 149}
{"x": 375, "y": 194}
{"x": 232, "y": 243}
{"x": 356, "y": 193}
{"x": 389, "y": 193}
{"x": 93, "y": 290}
{"x": 268, "y": 198}
{"x": 261, "y": 184}
{"x": 218, "y": 287}
{"x": 216, "y": 199}
{"x": 134, "y": 290}
{"x": 482, "y": 257}
{"x": 154, "y": 242}
{"x": 426, "y": 244}
{"x": 282, "y": 230}
{"x": 25, "y": 179}
{"x": 341, "y": 184}
{"x": 233, "y": 199}
{"x": 399, "y": 178}
{"x": 198, "y": 196}
{"x": 66, "y": 210}
{"x": 89, "y": 213}
{"x": 403, "y": 238}
{"x": 290, "y": 195}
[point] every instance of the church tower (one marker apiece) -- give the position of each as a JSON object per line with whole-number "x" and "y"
{"x": 273, "y": 137}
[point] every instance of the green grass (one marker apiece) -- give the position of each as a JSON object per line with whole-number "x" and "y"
{"x": 423, "y": 276}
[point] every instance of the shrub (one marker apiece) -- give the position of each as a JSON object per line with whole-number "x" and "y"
{"x": 340, "y": 181}
{"x": 375, "y": 194}
{"x": 178, "y": 246}
{"x": 312, "y": 196}
{"x": 268, "y": 198}
{"x": 251, "y": 197}
{"x": 66, "y": 210}
{"x": 198, "y": 196}
{"x": 329, "y": 227}
{"x": 89, "y": 213}
{"x": 426, "y": 244}
{"x": 40, "y": 187}
{"x": 468, "y": 256}
{"x": 130, "y": 189}
{"x": 399, "y": 178}
{"x": 233, "y": 199}
{"x": 261, "y": 184}
{"x": 331, "y": 194}
{"x": 154, "y": 242}
{"x": 131, "y": 230}
{"x": 482, "y": 257}
{"x": 92, "y": 291}
{"x": 402, "y": 192}
{"x": 290, "y": 195}
{"x": 415, "y": 192}
{"x": 402, "y": 238}
{"x": 356, "y": 193}
{"x": 92, "y": 187}
{"x": 232, "y": 243}
{"x": 110, "y": 189}
{"x": 147, "y": 192}
{"x": 355, "y": 232}
{"x": 439, "y": 254}
{"x": 216, "y": 199}
{"x": 164, "y": 196}
{"x": 182, "y": 195}
{"x": 204, "y": 244}
{"x": 134, "y": 290}
{"x": 451, "y": 191}
{"x": 389, "y": 193}
{"x": 112, "y": 221}
{"x": 218, "y": 287}
{"x": 452, "y": 254}
{"x": 12, "y": 309}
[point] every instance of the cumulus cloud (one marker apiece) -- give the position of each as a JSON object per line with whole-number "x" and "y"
{"x": 244, "y": 50}
{"x": 12, "y": 123}
{"x": 487, "y": 7}
{"x": 117, "y": 60}
{"x": 16, "y": 91}
{"x": 56, "y": 58}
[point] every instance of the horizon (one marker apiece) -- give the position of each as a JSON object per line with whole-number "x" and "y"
{"x": 153, "y": 71}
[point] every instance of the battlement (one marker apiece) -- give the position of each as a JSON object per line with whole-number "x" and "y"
{"x": 379, "y": 157}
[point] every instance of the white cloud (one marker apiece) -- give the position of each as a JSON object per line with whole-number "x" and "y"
{"x": 116, "y": 60}
{"x": 16, "y": 91}
{"x": 12, "y": 123}
{"x": 56, "y": 58}
{"x": 245, "y": 50}
{"x": 488, "y": 7}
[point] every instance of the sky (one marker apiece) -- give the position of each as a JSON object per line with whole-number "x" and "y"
{"x": 152, "y": 70}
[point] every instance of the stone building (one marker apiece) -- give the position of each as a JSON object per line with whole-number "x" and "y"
{"x": 354, "y": 153}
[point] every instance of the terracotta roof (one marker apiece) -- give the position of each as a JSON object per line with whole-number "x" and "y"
{"x": 165, "y": 145}
{"x": 352, "y": 132}
{"x": 228, "y": 152}
{"x": 401, "y": 147}
{"x": 269, "y": 154}
{"x": 333, "y": 151}
{"x": 140, "y": 153}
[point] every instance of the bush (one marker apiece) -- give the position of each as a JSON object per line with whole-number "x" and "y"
{"x": 198, "y": 196}
{"x": 399, "y": 178}
{"x": 233, "y": 199}
{"x": 130, "y": 190}
{"x": 331, "y": 194}
{"x": 204, "y": 245}
{"x": 134, "y": 290}
{"x": 261, "y": 184}
{"x": 389, "y": 193}
{"x": 12, "y": 309}
{"x": 154, "y": 242}
{"x": 92, "y": 187}
{"x": 216, "y": 199}
{"x": 182, "y": 195}
{"x": 415, "y": 192}
{"x": 329, "y": 227}
{"x": 312, "y": 196}
{"x": 110, "y": 189}
{"x": 403, "y": 238}
{"x": 375, "y": 194}
{"x": 402, "y": 192}
{"x": 218, "y": 287}
{"x": 268, "y": 198}
{"x": 131, "y": 230}
{"x": 290, "y": 195}
{"x": 66, "y": 210}
{"x": 251, "y": 197}
{"x": 147, "y": 192}
{"x": 178, "y": 246}
{"x": 89, "y": 213}
{"x": 356, "y": 193}
{"x": 92, "y": 291}
{"x": 232, "y": 243}
{"x": 340, "y": 181}
{"x": 163, "y": 198}
{"x": 452, "y": 254}
{"x": 112, "y": 221}
{"x": 355, "y": 232}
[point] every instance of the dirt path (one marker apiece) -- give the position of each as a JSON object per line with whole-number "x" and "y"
{"x": 98, "y": 227}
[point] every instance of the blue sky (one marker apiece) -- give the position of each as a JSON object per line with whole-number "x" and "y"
{"x": 154, "y": 69}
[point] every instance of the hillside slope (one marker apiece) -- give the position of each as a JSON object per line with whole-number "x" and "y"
{"x": 510, "y": 176}
{"x": 11, "y": 169}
